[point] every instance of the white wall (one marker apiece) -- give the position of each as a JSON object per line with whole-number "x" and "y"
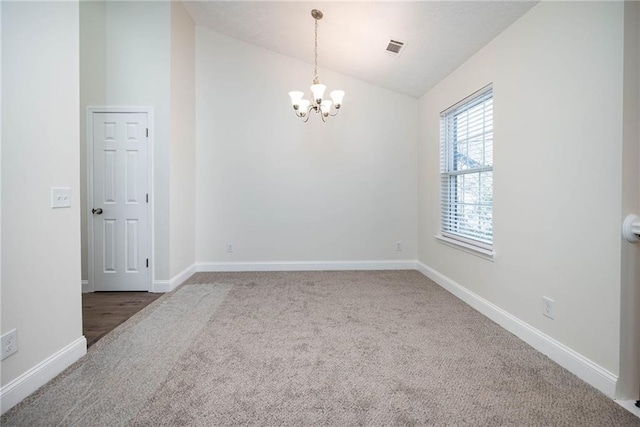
{"x": 126, "y": 50}
{"x": 182, "y": 141}
{"x": 557, "y": 75}
{"x": 40, "y": 149}
{"x": 629, "y": 385}
{"x": 282, "y": 190}
{"x": 93, "y": 81}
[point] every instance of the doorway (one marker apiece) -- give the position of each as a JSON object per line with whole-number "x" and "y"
{"x": 119, "y": 165}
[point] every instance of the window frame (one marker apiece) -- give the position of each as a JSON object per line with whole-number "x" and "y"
{"x": 448, "y": 174}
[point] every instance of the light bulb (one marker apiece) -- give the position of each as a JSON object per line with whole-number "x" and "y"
{"x": 304, "y": 105}
{"x": 337, "y": 96}
{"x": 296, "y": 96}
{"x": 318, "y": 91}
{"x": 325, "y": 106}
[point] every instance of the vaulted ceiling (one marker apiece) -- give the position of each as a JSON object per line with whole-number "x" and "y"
{"x": 353, "y": 37}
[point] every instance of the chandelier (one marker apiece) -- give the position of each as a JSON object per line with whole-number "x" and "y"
{"x": 304, "y": 107}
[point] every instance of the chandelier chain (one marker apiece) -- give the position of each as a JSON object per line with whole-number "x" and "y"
{"x": 315, "y": 68}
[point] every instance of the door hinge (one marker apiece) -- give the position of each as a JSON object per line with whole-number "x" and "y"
{"x": 147, "y": 197}
{"x": 147, "y": 132}
{"x": 147, "y": 262}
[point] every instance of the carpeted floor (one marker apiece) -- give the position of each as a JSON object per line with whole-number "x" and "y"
{"x": 314, "y": 348}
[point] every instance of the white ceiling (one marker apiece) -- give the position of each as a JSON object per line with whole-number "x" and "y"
{"x": 353, "y": 36}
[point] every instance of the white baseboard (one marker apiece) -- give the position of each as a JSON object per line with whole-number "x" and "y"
{"x": 574, "y": 362}
{"x": 85, "y": 287}
{"x": 177, "y": 280}
{"x": 305, "y": 266}
{"x": 160, "y": 286}
{"x": 210, "y": 267}
{"x": 630, "y": 405}
{"x": 12, "y": 393}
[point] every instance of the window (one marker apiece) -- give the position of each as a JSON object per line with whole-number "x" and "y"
{"x": 466, "y": 170}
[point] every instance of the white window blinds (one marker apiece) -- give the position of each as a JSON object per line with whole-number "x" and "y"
{"x": 466, "y": 170}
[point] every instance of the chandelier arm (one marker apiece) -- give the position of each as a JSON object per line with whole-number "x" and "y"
{"x": 305, "y": 117}
{"x": 309, "y": 108}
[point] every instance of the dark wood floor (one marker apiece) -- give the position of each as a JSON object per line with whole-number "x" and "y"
{"x": 104, "y": 311}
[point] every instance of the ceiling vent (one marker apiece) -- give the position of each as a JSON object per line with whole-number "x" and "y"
{"x": 395, "y": 47}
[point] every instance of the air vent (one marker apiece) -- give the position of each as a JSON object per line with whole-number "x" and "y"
{"x": 395, "y": 47}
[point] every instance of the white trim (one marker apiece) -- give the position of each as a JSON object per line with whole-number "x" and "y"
{"x": 476, "y": 94}
{"x": 13, "y": 393}
{"x": 574, "y": 362}
{"x": 466, "y": 247}
{"x": 150, "y": 170}
{"x": 150, "y": 189}
{"x": 629, "y": 405}
{"x": 179, "y": 278}
{"x": 160, "y": 286}
{"x": 85, "y": 286}
{"x": 305, "y": 266}
{"x": 89, "y": 177}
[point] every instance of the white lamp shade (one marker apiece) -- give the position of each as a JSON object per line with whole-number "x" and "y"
{"x": 296, "y": 96}
{"x": 337, "y": 96}
{"x": 325, "y": 106}
{"x": 318, "y": 91}
{"x": 304, "y": 104}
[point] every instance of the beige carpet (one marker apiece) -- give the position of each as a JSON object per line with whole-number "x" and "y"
{"x": 315, "y": 348}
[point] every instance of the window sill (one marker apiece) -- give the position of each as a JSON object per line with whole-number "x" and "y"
{"x": 473, "y": 250}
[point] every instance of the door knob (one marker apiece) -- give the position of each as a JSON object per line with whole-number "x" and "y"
{"x": 631, "y": 228}
{"x": 97, "y": 211}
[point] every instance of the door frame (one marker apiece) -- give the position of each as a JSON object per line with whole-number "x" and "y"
{"x": 91, "y": 110}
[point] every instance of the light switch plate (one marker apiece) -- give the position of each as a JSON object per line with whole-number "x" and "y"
{"x": 60, "y": 197}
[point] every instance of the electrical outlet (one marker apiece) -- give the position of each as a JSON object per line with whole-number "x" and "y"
{"x": 398, "y": 246}
{"x": 229, "y": 248}
{"x": 9, "y": 343}
{"x": 548, "y": 308}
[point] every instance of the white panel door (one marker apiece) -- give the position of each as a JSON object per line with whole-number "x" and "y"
{"x": 120, "y": 201}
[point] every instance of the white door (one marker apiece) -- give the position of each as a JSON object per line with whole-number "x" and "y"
{"x": 120, "y": 202}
